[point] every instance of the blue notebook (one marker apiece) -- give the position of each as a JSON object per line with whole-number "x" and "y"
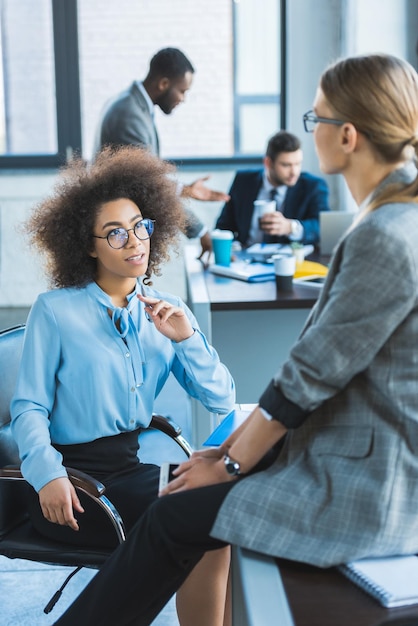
{"x": 230, "y": 423}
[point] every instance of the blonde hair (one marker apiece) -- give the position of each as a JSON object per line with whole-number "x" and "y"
{"x": 378, "y": 94}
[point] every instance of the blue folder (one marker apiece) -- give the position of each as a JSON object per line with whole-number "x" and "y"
{"x": 230, "y": 423}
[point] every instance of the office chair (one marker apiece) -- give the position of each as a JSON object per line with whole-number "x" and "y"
{"x": 18, "y": 539}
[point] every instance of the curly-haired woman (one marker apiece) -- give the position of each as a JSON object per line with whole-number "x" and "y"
{"x": 100, "y": 346}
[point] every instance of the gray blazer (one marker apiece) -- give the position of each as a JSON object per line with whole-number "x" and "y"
{"x": 127, "y": 121}
{"x": 345, "y": 485}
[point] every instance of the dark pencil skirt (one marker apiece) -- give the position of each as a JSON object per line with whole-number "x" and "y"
{"x": 131, "y": 486}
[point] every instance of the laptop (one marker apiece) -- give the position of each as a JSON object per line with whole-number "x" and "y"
{"x": 332, "y": 225}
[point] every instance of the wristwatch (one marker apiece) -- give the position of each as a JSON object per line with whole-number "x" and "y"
{"x": 294, "y": 227}
{"x": 232, "y": 467}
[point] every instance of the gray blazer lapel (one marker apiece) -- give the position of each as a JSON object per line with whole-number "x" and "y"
{"x": 146, "y": 119}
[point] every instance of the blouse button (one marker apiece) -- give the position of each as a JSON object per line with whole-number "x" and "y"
{"x": 127, "y": 355}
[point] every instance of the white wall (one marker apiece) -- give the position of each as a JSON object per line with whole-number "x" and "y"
{"x": 315, "y": 39}
{"x": 21, "y": 275}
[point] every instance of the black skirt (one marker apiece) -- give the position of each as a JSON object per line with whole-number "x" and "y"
{"x": 131, "y": 486}
{"x": 103, "y": 457}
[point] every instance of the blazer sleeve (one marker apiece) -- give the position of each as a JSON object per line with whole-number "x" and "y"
{"x": 226, "y": 219}
{"x": 315, "y": 199}
{"x": 318, "y": 202}
{"x": 193, "y": 224}
{"x": 236, "y": 214}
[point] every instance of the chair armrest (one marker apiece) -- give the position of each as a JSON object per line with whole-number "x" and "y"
{"x": 11, "y": 473}
{"x": 86, "y": 482}
{"x": 79, "y": 479}
{"x": 169, "y": 427}
{"x": 166, "y": 425}
{"x": 90, "y": 486}
{"x": 95, "y": 490}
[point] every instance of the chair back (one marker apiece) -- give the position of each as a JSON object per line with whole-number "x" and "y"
{"x": 11, "y": 341}
{"x": 12, "y": 497}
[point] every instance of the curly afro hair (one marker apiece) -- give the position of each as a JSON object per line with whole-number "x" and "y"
{"x": 62, "y": 225}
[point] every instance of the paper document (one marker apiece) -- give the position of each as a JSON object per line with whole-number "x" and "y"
{"x": 393, "y": 581}
{"x": 242, "y": 270}
{"x": 263, "y": 251}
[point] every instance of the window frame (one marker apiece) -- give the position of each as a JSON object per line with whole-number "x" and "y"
{"x": 67, "y": 89}
{"x": 68, "y": 99}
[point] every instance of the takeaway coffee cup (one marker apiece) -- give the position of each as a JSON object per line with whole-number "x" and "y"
{"x": 261, "y": 207}
{"x": 284, "y": 269}
{"x": 222, "y": 246}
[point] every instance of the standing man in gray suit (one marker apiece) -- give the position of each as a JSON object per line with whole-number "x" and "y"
{"x": 128, "y": 119}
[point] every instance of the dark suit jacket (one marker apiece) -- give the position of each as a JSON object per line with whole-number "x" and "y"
{"x": 303, "y": 202}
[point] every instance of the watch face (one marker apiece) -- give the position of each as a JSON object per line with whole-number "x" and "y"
{"x": 232, "y": 467}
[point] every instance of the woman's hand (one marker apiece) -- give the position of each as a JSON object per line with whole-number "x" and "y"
{"x": 170, "y": 320}
{"x": 198, "y": 471}
{"x": 58, "y": 500}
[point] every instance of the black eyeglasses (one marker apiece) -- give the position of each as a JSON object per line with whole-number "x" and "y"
{"x": 118, "y": 237}
{"x": 310, "y": 120}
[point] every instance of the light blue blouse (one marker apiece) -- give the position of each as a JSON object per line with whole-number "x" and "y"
{"x": 80, "y": 379}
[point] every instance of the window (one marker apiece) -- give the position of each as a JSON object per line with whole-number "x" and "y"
{"x": 39, "y": 93}
{"x": 61, "y": 60}
{"x": 28, "y": 78}
{"x": 257, "y": 74}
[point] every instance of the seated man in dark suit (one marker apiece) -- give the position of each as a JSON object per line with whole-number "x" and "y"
{"x": 299, "y": 198}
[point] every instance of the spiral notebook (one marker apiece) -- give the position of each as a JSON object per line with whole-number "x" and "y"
{"x": 392, "y": 581}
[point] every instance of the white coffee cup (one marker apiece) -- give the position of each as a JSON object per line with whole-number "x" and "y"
{"x": 284, "y": 269}
{"x": 261, "y": 207}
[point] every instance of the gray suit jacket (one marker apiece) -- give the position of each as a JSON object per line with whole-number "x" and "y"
{"x": 127, "y": 121}
{"x": 345, "y": 485}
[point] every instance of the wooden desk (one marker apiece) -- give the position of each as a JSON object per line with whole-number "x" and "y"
{"x": 278, "y": 592}
{"x": 249, "y": 324}
{"x": 324, "y": 597}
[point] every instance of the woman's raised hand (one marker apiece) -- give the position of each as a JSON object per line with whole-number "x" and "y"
{"x": 170, "y": 320}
